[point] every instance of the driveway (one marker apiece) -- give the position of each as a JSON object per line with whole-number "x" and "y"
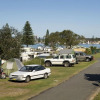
{"x": 79, "y": 87}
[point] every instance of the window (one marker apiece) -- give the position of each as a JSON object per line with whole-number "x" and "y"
{"x": 38, "y": 68}
{"x": 77, "y": 54}
{"x": 68, "y": 56}
{"x": 56, "y": 57}
{"x": 81, "y": 54}
{"x": 62, "y": 57}
{"x": 73, "y": 56}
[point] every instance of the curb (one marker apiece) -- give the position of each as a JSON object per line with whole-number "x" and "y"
{"x": 93, "y": 95}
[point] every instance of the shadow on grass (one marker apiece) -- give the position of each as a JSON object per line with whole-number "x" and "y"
{"x": 93, "y": 77}
{"x": 61, "y": 66}
{"x": 15, "y": 81}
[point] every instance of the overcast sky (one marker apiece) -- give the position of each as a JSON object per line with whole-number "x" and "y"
{"x": 80, "y": 16}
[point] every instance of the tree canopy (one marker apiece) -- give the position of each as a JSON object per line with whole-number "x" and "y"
{"x": 47, "y": 37}
{"x": 28, "y": 37}
{"x": 66, "y": 37}
{"x": 10, "y": 42}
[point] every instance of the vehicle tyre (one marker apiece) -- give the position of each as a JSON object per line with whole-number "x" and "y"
{"x": 87, "y": 59}
{"x": 45, "y": 76}
{"x": 47, "y": 64}
{"x": 66, "y": 64}
{"x": 27, "y": 79}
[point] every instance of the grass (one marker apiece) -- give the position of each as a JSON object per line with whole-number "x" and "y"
{"x": 23, "y": 91}
{"x": 97, "y": 97}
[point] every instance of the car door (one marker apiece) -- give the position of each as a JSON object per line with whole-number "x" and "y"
{"x": 39, "y": 72}
{"x": 55, "y": 60}
{"x": 82, "y": 57}
{"x": 77, "y": 56}
{"x": 58, "y": 60}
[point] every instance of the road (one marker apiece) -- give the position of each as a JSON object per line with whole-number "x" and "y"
{"x": 79, "y": 87}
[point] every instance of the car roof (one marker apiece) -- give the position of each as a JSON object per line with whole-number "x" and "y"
{"x": 33, "y": 65}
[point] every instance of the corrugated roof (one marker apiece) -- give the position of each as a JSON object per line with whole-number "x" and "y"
{"x": 66, "y": 51}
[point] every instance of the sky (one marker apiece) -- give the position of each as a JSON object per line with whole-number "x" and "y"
{"x": 80, "y": 16}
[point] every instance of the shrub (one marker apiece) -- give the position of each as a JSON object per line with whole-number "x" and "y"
{"x": 88, "y": 51}
{"x": 34, "y": 61}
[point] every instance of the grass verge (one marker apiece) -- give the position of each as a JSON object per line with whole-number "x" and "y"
{"x": 23, "y": 91}
{"x": 97, "y": 97}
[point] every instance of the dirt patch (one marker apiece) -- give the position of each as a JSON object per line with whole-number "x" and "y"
{"x": 12, "y": 92}
{"x": 18, "y": 84}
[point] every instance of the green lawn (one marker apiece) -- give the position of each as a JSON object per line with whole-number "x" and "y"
{"x": 97, "y": 97}
{"x": 23, "y": 91}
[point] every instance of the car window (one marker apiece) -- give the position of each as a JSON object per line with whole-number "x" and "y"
{"x": 76, "y": 54}
{"x": 41, "y": 67}
{"x": 38, "y": 68}
{"x": 61, "y": 57}
{"x": 68, "y": 56}
{"x": 73, "y": 56}
{"x": 81, "y": 54}
{"x": 56, "y": 57}
{"x": 27, "y": 69}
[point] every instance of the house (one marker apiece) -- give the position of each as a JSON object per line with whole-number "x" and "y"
{"x": 27, "y": 53}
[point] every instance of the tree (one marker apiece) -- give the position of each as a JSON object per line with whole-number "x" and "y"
{"x": 47, "y": 37}
{"x": 9, "y": 44}
{"x": 28, "y": 38}
{"x": 69, "y": 38}
{"x": 39, "y": 39}
{"x": 53, "y": 39}
{"x": 66, "y": 37}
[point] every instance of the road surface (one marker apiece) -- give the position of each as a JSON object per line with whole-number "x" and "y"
{"x": 79, "y": 87}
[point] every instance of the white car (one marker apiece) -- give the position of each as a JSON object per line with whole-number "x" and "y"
{"x": 63, "y": 59}
{"x": 29, "y": 72}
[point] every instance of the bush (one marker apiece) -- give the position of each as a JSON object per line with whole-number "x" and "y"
{"x": 93, "y": 49}
{"x": 34, "y": 61}
{"x": 88, "y": 51}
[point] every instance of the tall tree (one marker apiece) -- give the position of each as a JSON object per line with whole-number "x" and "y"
{"x": 39, "y": 39}
{"x": 47, "y": 37}
{"x": 28, "y": 37}
{"x": 9, "y": 44}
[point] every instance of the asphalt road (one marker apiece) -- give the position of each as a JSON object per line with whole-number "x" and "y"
{"x": 79, "y": 87}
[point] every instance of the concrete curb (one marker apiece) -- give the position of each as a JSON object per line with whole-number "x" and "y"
{"x": 92, "y": 96}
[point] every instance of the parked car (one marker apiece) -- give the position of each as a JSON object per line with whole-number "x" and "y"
{"x": 63, "y": 59}
{"x": 29, "y": 72}
{"x": 81, "y": 56}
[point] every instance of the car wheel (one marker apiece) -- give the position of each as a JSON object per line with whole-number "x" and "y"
{"x": 45, "y": 76}
{"x": 47, "y": 64}
{"x": 66, "y": 64}
{"x": 87, "y": 59}
{"x": 27, "y": 79}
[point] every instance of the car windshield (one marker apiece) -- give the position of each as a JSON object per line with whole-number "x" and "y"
{"x": 27, "y": 69}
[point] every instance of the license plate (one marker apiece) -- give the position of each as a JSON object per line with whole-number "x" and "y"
{"x": 13, "y": 79}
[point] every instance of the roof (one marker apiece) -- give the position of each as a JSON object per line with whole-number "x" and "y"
{"x": 65, "y": 51}
{"x": 33, "y": 65}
